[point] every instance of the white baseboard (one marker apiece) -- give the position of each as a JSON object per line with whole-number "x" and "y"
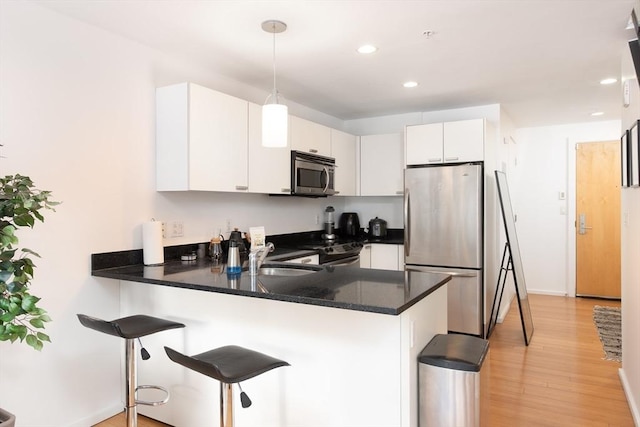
{"x": 633, "y": 405}
{"x": 99, "y": 416}
{"x": 504, "y": 309}
{"x": 553, "y": 293}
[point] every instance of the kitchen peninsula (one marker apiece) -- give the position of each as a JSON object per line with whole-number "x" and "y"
{"x": 351, "y": 335}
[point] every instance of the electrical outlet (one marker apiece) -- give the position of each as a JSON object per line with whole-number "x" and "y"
{"x": 164, "y": 230}
{"x": 177, "y": 229}
{"x": 317, "y": 219}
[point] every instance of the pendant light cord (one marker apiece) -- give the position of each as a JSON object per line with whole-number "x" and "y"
{"x": 275, "y": 90}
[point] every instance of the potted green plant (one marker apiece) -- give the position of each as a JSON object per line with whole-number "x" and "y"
{"x": 21, "y": 204}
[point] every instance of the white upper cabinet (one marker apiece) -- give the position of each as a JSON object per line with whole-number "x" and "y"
{"x": 464, "y": 141}
{"x": 201, "y": 140}
{"x": 269, "y": 168}
{"x": 343, "y": 149}
{"x": 309, "y": 137}
{"x": 381, "y": 165}
{"x": 424, "y": 144}
{"x": 449, "y": 142}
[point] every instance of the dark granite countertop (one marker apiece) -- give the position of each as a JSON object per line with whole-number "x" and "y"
{"x": 345, "y": 287}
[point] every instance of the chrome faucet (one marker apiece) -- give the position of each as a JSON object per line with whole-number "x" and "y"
{"x": 256, "y": 258}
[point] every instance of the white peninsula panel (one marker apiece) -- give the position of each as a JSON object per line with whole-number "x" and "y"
{"x": 348, "y": 368}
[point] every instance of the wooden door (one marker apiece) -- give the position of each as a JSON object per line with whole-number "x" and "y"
{"x": 598, "y": 219}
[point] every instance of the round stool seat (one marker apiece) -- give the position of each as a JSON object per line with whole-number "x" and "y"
{"x": 129, "y": 327}
{"x": 229, "y": 364}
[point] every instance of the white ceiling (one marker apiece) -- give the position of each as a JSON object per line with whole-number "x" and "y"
{"x": 542, "y": 60}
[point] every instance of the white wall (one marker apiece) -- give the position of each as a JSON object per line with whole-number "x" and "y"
{"x": 77, "y": 115}
{"x": 630, "y": 230}
{"x": 545, "y": 224}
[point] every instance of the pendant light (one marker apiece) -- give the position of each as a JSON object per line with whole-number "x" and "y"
{"x": 275, "y": 116}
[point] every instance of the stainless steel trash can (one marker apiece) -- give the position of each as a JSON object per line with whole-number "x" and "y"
{"x": 453, "y": 385}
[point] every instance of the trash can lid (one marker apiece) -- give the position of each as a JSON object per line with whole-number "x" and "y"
{"x": 455, "y": 351}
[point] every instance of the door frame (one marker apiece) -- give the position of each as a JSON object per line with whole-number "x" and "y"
{"x": 571, "y": 261}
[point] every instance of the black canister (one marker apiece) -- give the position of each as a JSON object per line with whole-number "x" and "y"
{"x": 378, "y": 227}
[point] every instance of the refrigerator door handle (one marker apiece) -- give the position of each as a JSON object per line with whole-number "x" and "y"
{"x": 407, "y": 222}
{"x": 444, "y": 271}
{"x": 451, "y": 273}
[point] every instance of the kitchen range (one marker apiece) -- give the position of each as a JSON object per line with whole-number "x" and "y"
{"x": 336, "y": 252}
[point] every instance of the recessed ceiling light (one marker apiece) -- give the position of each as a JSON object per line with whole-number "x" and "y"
{"x": 410, "y": 84}
{"x": 597, "y": 113}
{"x": 608, "y": 81}
{"x": 367, "y": 48}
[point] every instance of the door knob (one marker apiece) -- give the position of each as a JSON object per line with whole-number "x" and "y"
{"x": 582, "y": 224}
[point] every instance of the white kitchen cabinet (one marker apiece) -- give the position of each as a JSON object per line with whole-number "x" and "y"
{"x": 201, "y": 140}
{"x": 424, "y": 144}
{"x": 309, "y": 259}
{"x": 382, "y": 256}
{"x": 381, "y": 165}
{"x": 464, "y": 141}
{"x": 269, "y": 168}
{"x": 309, "y": 137}
{"x": 343, "y": 149}
{"x": 365, "y": 256}
{"x": 449, "y": 142}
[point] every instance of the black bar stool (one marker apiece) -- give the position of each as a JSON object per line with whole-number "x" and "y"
{"x": 132, "y": 328}
{"x": 230, "y": 364}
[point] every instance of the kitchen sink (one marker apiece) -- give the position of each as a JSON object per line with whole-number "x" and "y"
{"x": 282, "y": 269}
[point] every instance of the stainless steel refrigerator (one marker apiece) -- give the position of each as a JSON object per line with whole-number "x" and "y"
{"x": 443, "y": 232}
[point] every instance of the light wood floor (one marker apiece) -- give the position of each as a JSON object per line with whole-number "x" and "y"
{"x": 560, "y": 379}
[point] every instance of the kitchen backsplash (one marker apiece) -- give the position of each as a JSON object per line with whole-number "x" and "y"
{"x": 203, "y": 213}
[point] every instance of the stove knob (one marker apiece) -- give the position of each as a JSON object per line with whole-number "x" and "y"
{"x": 329, "y": 249}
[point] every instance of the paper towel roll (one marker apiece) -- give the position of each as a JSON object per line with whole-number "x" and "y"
{"x": 152, "y": 249}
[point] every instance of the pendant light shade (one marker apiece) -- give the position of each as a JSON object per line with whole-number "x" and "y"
{"x": 274, "y": 125}
{"x": 275, "y": 116}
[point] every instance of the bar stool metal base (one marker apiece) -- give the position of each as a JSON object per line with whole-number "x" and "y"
{"x": 229, "y": 365}
{"x": 132, "y": 387}
{"x": 131, "y": 328}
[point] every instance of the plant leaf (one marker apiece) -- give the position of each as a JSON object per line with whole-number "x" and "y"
{"x": 36, "y": 323}
{"x": 44, "y": 337}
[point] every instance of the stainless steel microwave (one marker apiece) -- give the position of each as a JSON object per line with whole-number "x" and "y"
{"x": 312, "y": 175}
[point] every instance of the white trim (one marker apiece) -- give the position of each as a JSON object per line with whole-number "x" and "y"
{"x": 99, "y": 416}
{"x": 635, "y": 411}
{"x": 545, "y": 292}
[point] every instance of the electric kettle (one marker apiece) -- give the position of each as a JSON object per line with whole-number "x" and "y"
{"x": 349, "y": 224}
{"x": 236, "y": 236}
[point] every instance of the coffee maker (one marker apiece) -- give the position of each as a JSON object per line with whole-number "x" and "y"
{"x": 329, "y": 224}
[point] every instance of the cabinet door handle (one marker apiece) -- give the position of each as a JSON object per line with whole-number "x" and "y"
{"x": 286, "y": 190}
{"x": 434, "y": 159}
{"x": 448, "y": 159}
{"x": 241, "y": 187}
{"x": 305, "y": 261}
{"x": 399, "y": 192}
{"x": 313, "y": 150}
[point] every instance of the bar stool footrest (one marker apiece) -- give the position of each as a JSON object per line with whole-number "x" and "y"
{"x": 152, "y": 403}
